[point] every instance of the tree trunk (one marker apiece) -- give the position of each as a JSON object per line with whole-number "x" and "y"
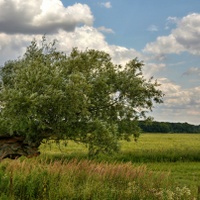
{"x": 16, "y": 146}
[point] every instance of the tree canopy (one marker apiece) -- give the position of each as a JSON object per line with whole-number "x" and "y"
{"x": 83, "y": 97}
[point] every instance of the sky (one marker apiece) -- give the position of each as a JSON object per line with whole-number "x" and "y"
{"x": 165, "y": 35}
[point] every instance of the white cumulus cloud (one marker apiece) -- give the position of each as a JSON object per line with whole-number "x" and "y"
{"x": 41, "y": 16}
{"x": 21, "y": 21}
{"x": 185, "y": 37}
{"x": 180, "y": 105}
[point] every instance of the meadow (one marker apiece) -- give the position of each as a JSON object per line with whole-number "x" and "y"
{"x": 157, "y": 166}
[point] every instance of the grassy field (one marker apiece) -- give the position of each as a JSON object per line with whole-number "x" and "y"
{"x": 176, "y": 154}
{"x": 158, "y": 166}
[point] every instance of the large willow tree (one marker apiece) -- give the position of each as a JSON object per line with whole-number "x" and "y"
{"x": 82, "y": 97}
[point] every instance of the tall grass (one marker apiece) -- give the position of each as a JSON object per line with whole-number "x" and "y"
{"x": 85, "y": 179}
{"x": 148, "y": 169}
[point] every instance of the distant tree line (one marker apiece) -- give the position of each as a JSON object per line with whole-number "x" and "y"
{"x": 168, "y": 127}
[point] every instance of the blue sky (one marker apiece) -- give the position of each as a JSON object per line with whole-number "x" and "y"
{"x": 132, "y": 20}
{"x": 164, "y": 34}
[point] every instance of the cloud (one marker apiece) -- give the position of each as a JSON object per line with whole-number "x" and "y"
{"x": 21, "y": 21}
{"x": 89, "y": 37}
{"x": 164, "y": 45}
{"x": 82, "y": 37}
{"x": 105, "y": 30}
{"x": 150, "y": 69}
{"x": 178, "y": 97}
{"x": 106, "y": 4}
{"x": 192, "y": 71}
{"x": 41, "y": 16}
{"x": 152, "y": 28}
{"x": 188, "y": 33}
{"x": 180, "y": 105}
{"x": 175, "y": 95}
{"x": 13, "y": 46}
{"x": 171, "y": 21}
{"x": 122, "y": 55}
{"x": 185, "y": 37}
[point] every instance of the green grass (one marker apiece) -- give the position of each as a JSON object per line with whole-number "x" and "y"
{"x": 164, "y": 148}
{"x": 155, "y": 167}
{"x": 183, "y": 173}
{"x": 149, "y": 148}
{"x": 176, "y": 154}
{"x": 164, "y": 142}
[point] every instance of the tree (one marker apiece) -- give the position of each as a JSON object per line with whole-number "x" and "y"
{"x": 82, "y": 97}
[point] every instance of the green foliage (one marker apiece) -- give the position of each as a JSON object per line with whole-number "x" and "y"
{"x": 168, "y": 127}
{"x": 83, "y": 97}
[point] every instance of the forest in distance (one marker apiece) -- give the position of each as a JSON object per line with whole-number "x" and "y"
{"x": 168, "y": 127}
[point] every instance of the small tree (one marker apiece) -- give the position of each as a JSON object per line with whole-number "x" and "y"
{"x": 82, "y": 97}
